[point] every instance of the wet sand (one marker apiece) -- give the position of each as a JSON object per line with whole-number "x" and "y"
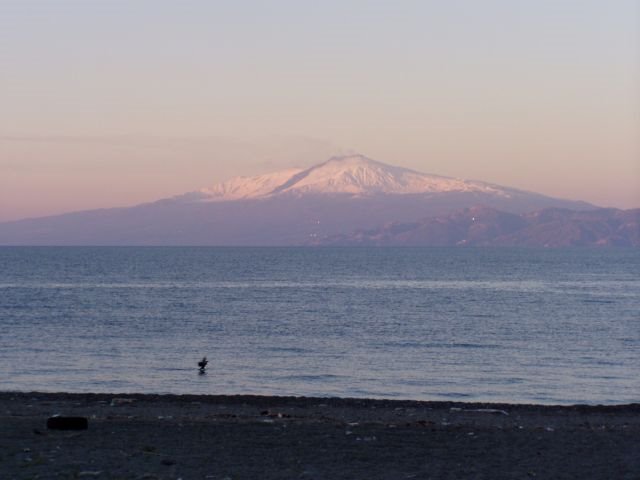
{"x": 254, "y": 437}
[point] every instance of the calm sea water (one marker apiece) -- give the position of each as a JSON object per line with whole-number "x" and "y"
{"x": 516, "y": 325}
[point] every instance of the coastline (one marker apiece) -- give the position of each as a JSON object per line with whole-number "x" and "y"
{"x": 245, "y": 436}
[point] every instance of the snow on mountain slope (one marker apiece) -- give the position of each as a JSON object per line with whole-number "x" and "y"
{"x": 249, "y": 187}
{"x": 359, "y": 175}
{"x": 356, "y": 175}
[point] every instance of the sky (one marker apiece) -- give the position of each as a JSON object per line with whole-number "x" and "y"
{"x": 116, "y": 102}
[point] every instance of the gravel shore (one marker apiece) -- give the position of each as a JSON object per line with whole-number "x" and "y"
{"x": 259, "y": 437}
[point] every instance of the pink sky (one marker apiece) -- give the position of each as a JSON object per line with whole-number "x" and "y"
{"x": 136, "y": 101}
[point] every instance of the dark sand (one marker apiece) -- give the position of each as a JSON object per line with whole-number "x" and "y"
{"x": 250, "y": 437}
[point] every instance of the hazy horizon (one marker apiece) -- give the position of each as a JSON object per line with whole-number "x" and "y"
{"x": 109, "y": 104}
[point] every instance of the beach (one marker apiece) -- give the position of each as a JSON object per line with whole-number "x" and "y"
{"x": 263, "y": 437}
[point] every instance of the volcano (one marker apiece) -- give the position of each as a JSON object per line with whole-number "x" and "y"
{"x": 291, "y": 207}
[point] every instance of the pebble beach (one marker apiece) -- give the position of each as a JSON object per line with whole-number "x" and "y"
{"x": 250, "y": 437}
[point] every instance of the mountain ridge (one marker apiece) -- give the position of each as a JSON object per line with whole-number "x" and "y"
{"x": 483, "y": 226}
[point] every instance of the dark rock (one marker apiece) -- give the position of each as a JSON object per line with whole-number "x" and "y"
{"x": 58, "y": 422}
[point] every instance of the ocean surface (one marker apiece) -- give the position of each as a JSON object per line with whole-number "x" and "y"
{"x": 549, "y": 326}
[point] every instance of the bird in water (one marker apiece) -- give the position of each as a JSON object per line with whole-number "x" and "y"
{"x": 203, "y": 364}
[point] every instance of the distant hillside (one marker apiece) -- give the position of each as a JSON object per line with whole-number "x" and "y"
{"x": 482, "y": 226}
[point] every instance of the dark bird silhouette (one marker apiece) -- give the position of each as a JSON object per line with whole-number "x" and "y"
{"x": 203, "y": 364}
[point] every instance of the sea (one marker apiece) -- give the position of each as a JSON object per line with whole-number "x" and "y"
{"x": 518, "y": 325}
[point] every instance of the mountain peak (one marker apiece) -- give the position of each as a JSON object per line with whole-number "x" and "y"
{"x": 355, "y": 175}
{"x": 358, "y": 161}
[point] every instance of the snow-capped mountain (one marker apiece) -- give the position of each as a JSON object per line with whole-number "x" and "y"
{"x": 293, "y": 207}
{"x": 354, "y": 175}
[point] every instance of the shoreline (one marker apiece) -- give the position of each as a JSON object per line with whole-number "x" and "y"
{"x": 250, "y": 436}
{"x": 293, "y": 399}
